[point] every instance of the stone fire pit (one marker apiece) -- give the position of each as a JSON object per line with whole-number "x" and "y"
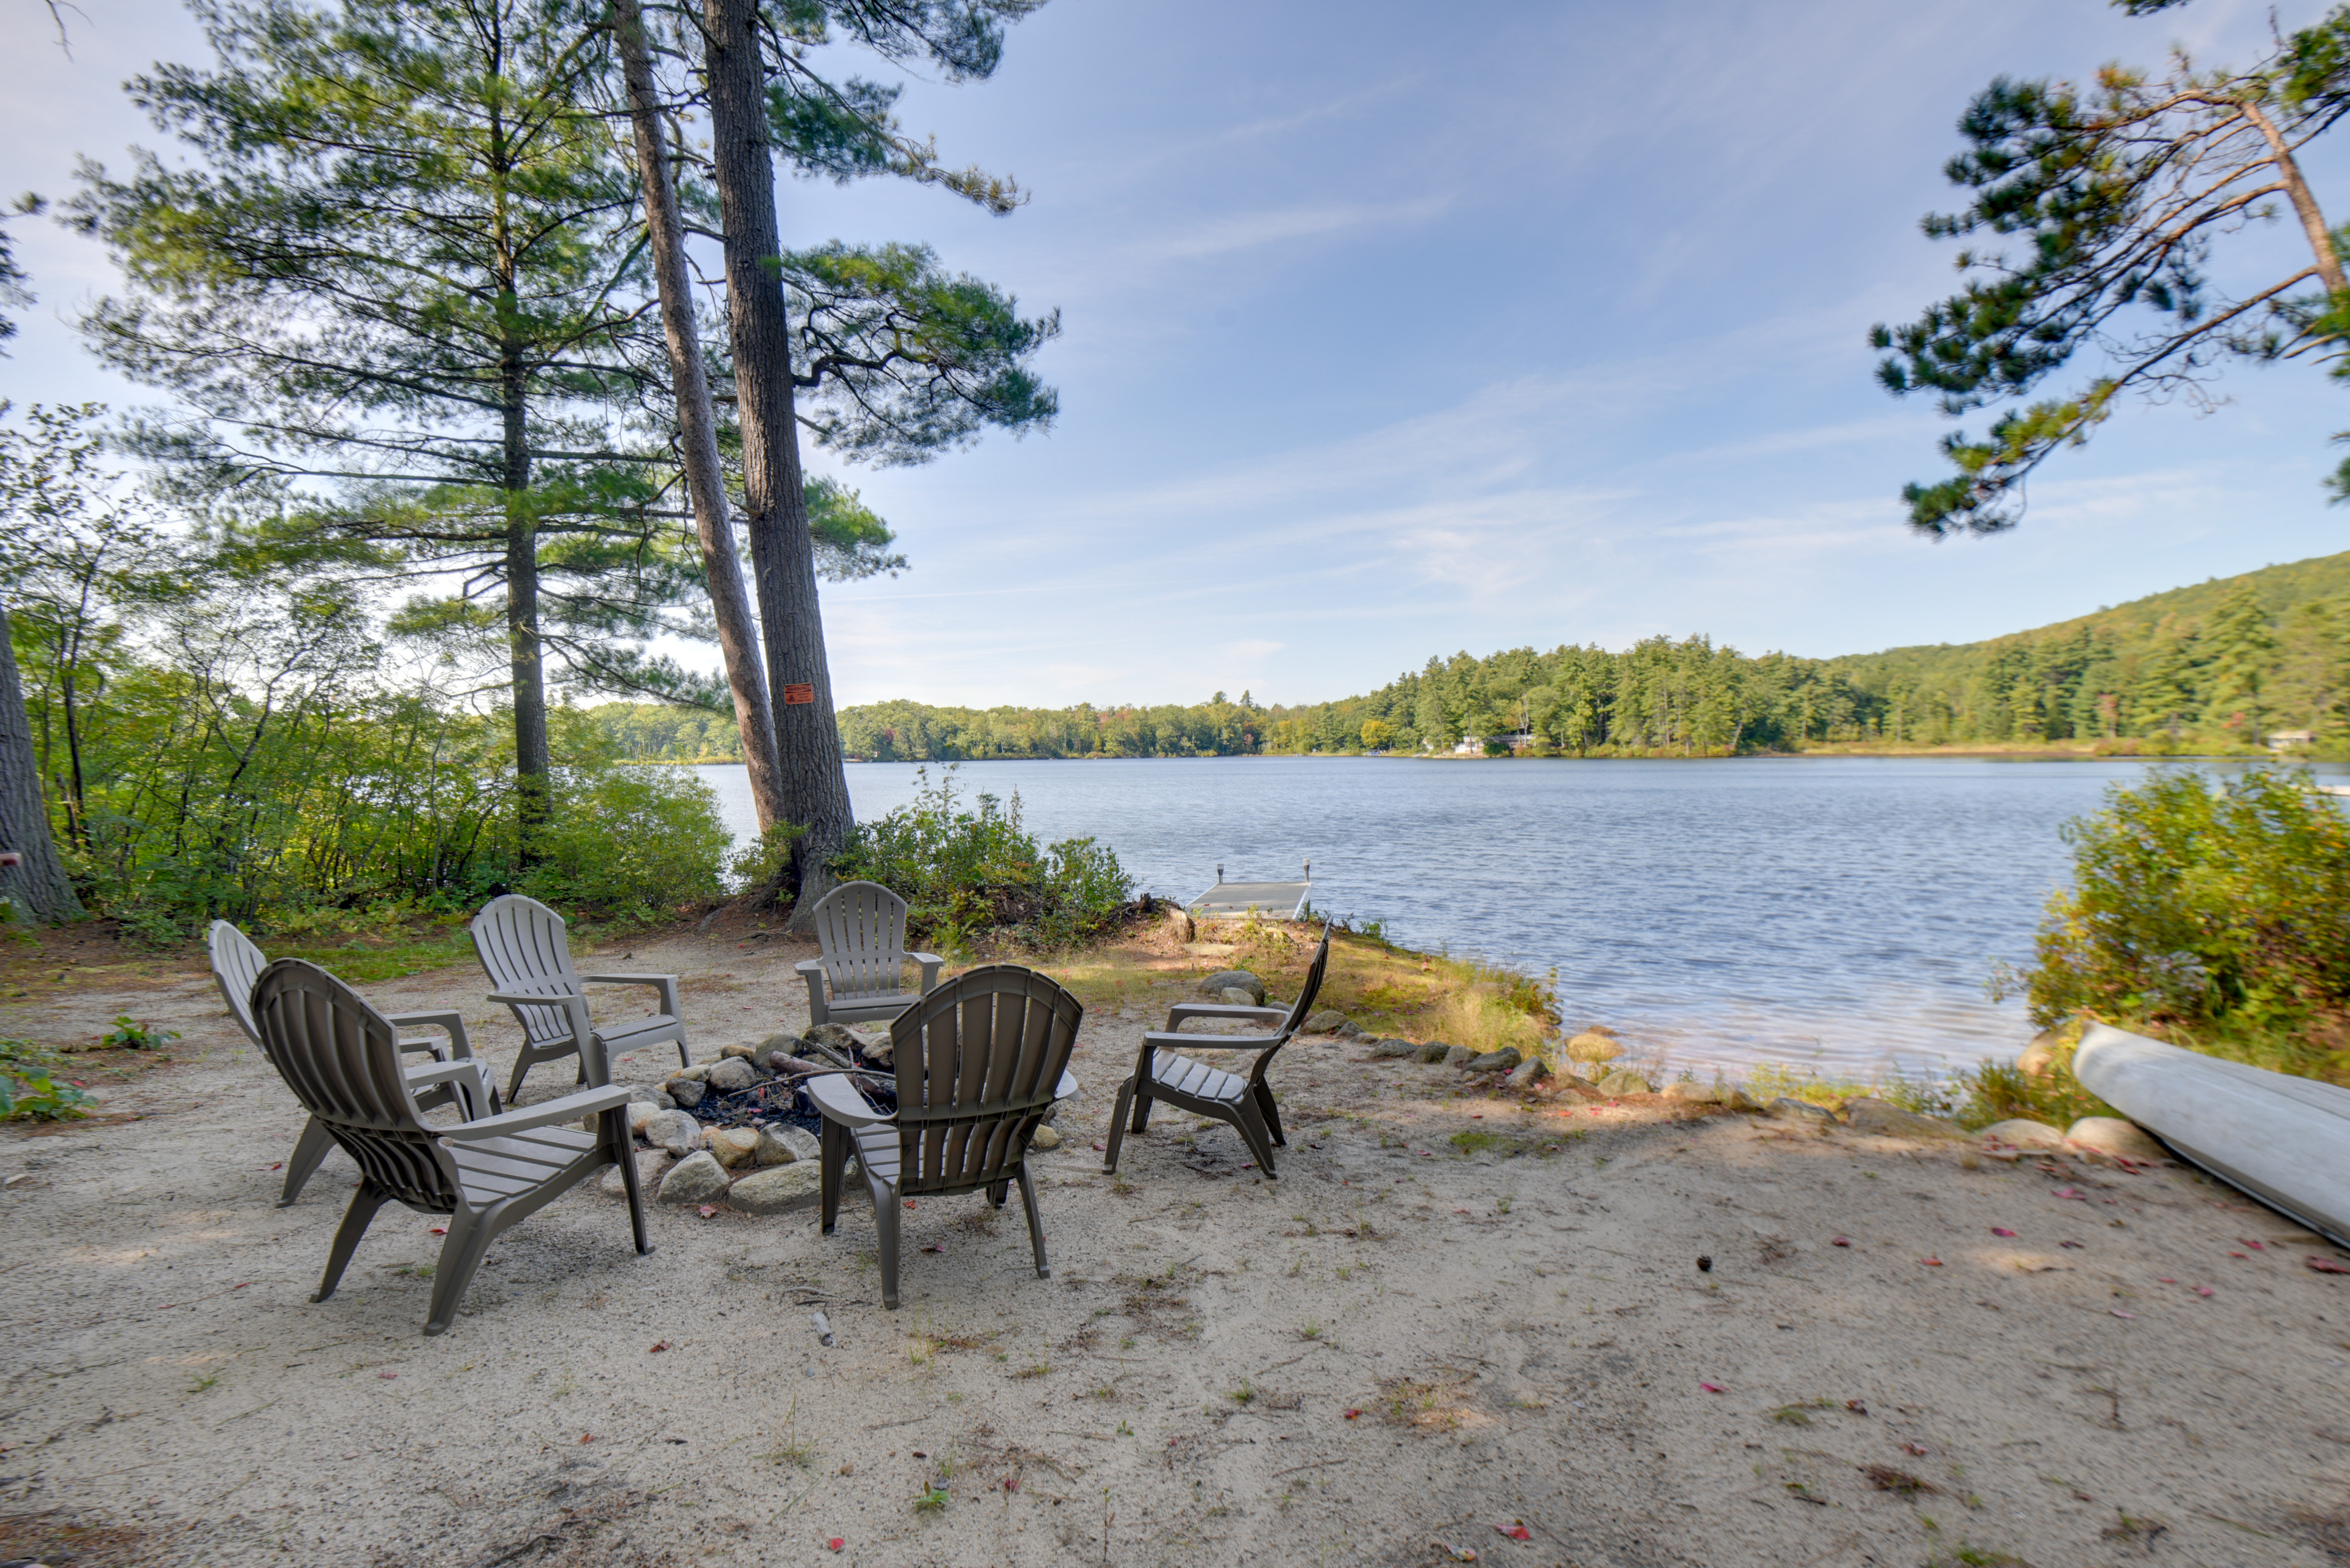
{"x": 740, "y": 1130}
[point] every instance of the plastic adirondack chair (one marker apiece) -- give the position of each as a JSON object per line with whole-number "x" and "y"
{"x": 342, "y": 1059}
{"x": 1160, "y": 1074}
{"x": 455, "y": 1076}
{"x": 861, "y": 929}
{"x": 981, "y": 1060}
{"x": 525, "y": 951}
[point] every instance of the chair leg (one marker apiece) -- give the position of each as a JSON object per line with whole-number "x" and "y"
{"x": 522, "y": 1065}
{"x": 1272, "y": 1114}
{"x": 835, "y": 1156}
{"x": 622, "y": 1148}
{"x": 1117, "y": 1125}
{"x": 365, "y": 1202}
{"x": 1141, "y": 1108}
{"x": 684, "y": 1057}
{"x": 469, "y": 1240}
{"x": 1253, "y": 1133}
{"x": 885, "y": 1221}
{"x": 1035, "y": 1222}
{"x": 309, "y": 1150}
{"x": 999, "y": 1193}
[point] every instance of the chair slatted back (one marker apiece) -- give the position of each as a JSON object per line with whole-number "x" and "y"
{"x": 236, "y": 964}
{"x": 1307, "y": 992}
{"x": 978, "y": 1060}
{"x": 524, "y": 948}
{"x": 342, "y": 1059}
{"x": 860, "y": 928}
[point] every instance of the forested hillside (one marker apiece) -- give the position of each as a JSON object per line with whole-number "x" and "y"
{"x": 2222, "y": 663}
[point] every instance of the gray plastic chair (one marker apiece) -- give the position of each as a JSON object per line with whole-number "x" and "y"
{"x": 1159, "y": 1074}
{"x": 455, "y": 1077}
{"x": 860, "y": 928}
{"x": 980, "y": 1062}
{"x": 342, "y": 1059}
{"x": 525, "y": 951}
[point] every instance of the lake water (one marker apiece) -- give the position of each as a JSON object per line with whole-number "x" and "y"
{"x": 1841, "y": 913}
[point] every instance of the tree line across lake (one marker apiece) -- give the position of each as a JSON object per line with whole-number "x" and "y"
{"x": 2218, "y": 665}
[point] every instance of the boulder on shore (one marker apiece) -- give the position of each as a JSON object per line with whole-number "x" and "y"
{"x": 1215, "y": 985}
{"x": 1458, "y": 1055}
{"x": 1624, "y": 1082}
{"x": 1501, "y": 1061}
{"x": 2112, "y": 1135}
{"x": 1593, "y": 1045}
{"x": 1350, "y": 1030}
{"x": 1431, "y": 1051}
{"x": 733, "y": 1076}
{"x": 1381, "y": 1050}
{"x": 1790, "y": 1110}
{"x": 1525, "y": 1073}
{"x": 686, "y": 1092}
{"x": 1690, "y": 1092}
{"x": 1872, "y": 1116}
{"x": 2021, "y": 1132}
{"x": 1326, "y": 1021}
{"x": 2040, "y": 1057}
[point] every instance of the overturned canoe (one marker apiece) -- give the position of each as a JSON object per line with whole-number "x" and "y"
{"x": 2285, "y": 1141}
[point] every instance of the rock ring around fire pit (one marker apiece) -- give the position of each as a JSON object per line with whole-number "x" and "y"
{"x": 741, "y": 1129}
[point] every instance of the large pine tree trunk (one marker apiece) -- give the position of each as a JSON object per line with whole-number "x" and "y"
{"x": 730, "y": 600}
{"x": 527, "y": 653}
{"x": 36, "y": 884}
{"x": 807, "y": 741}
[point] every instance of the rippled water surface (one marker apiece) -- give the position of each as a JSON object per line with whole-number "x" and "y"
{"x": 1836, "y": 911}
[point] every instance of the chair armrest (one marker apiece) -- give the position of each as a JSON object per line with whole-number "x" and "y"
{"x": 932, "y": 963}
{"x": 664, "y": 983}
{"x": 441, "y": 1072}
{"x": 1066, "y": 1089}
{"x": 810, "y": 966}
{"x": 450, "y": 1023}
{"x": 1172, "y": 1040}
{"x": 838, "y": 1100}
{"x": 1230, "y": 1011}
{"x": 569, "y": 1108}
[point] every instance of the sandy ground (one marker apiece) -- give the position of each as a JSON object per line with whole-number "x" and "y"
{"x": 1525, "y": 1330}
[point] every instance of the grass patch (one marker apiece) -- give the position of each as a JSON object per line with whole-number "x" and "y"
{"x": 1477, "y": 1140}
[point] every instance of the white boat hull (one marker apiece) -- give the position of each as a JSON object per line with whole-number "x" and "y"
{"x": 2284, "y": 1140}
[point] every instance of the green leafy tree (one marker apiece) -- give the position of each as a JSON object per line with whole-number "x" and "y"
{"x": 2092, "y": 216}
{"x": 879, "y": 352}
{"x": 2238, "y": 651}
{"x": 399, "y": 277}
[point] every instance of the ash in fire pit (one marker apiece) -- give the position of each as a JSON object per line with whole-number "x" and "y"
{"x": 753, "y": 1086}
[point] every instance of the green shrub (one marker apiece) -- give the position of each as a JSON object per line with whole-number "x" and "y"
{"x": 2215, "y": 917}
{"x": 28, "y": 1091}
{"x": 629, "y": 843}
{"x": 970, "y": 874}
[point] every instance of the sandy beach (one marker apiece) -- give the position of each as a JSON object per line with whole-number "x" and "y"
{"x": 1635, "y": 1332}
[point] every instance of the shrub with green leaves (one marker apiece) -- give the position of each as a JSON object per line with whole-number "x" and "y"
{"x": 631, "y": 842}
{"x": 29, "y": 1087}
{"x": 2215, "y": 914}
{"x": 966, "y": 874}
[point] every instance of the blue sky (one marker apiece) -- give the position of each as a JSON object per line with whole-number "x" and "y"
{"x": 1391, "y": 331}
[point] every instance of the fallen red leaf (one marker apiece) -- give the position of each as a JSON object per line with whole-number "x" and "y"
{"x": 2163, "y": 1281}
{"x": 386, "y": 1375}
{"x": 279, "y": 1165}
{"x": 1098, "y": 1148}
{"x": 2246, "y": 1256}
{"x": 1840, "y": 1242}
{"x": 240, "y": 1287}
{"x": 1514, "y": 1531}
{"x": 1931, "y": 1263}
{"x": 2255, "y": 1246}
{"x": 659, "y": 1346}
{"x": 1855, "y": 1406}
{"x": 1996, "y": 1231}
{"x": 1913, "y": 1448}
{"x": 2324, "y": 1266}
{"x": 836, "y": 1543}
{"x": 2070, "y": 1192}
{"x": 2119, "y": 1313}
{"x": 938, "y": 1247}
{"x": 587, "y": 1437}
{"x": 1352, "y": 1414}
{"x": 1710, "y": 1387}
{"x": 710, "y": 1209}
{"x": 2203, "y": 1290}
{"x": 439, "y": 1229}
